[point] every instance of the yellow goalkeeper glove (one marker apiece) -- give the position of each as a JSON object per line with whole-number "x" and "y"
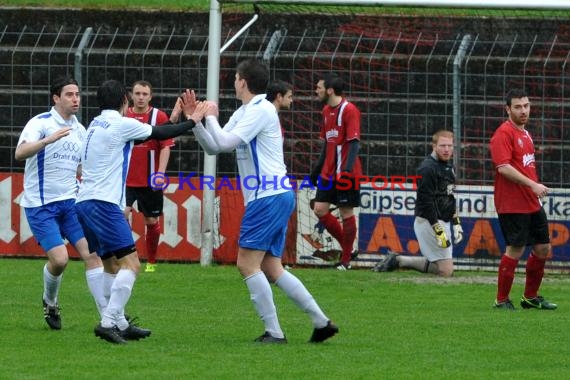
{"x": 440, "y": 236}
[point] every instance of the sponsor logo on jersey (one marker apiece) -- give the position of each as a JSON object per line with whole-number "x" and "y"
{"x": 528, "y": 159}
{"x": 332, "y": 134}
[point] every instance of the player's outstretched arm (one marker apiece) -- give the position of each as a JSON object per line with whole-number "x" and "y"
{"x": 168, "y": 131}
{"x": 206, "y": 140}
{"x": 213, "y": 138}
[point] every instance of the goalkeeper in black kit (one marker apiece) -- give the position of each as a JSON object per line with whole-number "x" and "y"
{"x": 436, "y": 214}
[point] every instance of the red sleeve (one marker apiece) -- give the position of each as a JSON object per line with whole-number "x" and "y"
{"x": 162, "y": 118}
{"x": 501, "y": 148}
{"x": 351, "y": 122}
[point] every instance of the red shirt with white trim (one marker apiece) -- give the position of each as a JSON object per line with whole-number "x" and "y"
{"x": 513, "y": 146}
{"x": 145, "y": 156}
{"x": 339, "y": 126}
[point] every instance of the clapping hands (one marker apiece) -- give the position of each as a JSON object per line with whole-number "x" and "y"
{"x": 197, "y": 110}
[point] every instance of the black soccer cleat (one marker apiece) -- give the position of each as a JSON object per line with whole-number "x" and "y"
{"x": 342, "y": 267}
{"x": 322, "y": 334}
{"x": 537, "y": 303}
{"x": 110, "y": 334}
{"x": 504, "y": 305}
{"x": 268, "y": 338}
{"x": 389, "y": 263}
{"x": 134, "y": 332}
{"x": 52, "y": 316}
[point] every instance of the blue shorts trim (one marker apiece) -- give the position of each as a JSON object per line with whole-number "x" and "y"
{"x": 54, "y": 221}
{"x": 264, "y": 223}
{"x": 106, "y": 229}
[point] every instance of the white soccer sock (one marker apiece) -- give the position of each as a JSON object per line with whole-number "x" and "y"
{"x": 95, "y": 284}
{"x": 420, "y": 264}
{"x": 108, "y": 279}
{"x": 297, "y": 292}
{"x": 120, "y": 294}
{"x": 51, "y": 287}
{"x": 262, "y": 298}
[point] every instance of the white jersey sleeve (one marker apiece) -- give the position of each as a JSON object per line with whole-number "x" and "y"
{"x": 133, "y": 129}
{"x": 34, "y": 129}
{"x": 215, "y": 139}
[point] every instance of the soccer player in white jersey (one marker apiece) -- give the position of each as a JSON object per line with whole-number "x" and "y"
{"x": 253, "y": 131}
{"x": 105, "y": 156}
{"x": 50, "y": 145}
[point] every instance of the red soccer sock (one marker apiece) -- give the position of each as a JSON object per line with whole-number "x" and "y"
{"x": 534, "y": 275}
{"x": 151, "y": 240}
{"x": 332, "y": 226}
{"x": 506, "y": 277}
{"x": 349, "y": 234}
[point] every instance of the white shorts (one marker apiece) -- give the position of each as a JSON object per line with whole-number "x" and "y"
{"x": 428, "y": 243}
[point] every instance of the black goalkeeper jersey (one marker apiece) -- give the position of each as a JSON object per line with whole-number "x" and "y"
{"x": 435, "y": 196}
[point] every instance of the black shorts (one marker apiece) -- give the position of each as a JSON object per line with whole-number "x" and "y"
{"x": 327, "y": 192}
{"x": 149, "y": 201}
{"x": 520, "y": 230}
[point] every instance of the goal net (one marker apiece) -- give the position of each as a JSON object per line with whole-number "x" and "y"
{"x": 412, "y": 71}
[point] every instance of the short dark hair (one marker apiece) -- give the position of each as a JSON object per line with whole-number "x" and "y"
{"x": 255, "y": 74}
{"x": 277, "y": 87}
{"x": 59, "y": 83}
{"x": 143, "y": 83}
{"x": 111, "y": 95}
{"x": 334, "y": 81}
{"x": 515, "y": 93}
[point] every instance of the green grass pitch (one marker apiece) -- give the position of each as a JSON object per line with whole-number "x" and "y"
{"x": 400, "y": 325}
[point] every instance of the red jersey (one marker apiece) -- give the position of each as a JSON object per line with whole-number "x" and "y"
{"x": 511, "y": 145}
{"x": 145, "y": 156}
{"x": 340, "y": 125}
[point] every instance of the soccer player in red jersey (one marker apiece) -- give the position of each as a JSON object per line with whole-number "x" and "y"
{"x": 517, "y": 201}
{"x": 338, "y": 164}
{"x": 147, "y": 158}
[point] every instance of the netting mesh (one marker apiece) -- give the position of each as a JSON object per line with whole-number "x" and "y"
{"x": 398, "y": 65}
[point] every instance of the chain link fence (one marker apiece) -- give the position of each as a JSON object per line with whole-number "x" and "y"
{"x": 400, "y": 74}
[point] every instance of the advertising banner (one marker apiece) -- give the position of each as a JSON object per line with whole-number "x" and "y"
{"x": 387, "y": 218}
{"x": 181, "y": 235}
{"x": 385, "y": 223}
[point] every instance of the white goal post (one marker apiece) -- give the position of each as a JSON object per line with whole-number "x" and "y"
{"x": 215, "y": 29}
